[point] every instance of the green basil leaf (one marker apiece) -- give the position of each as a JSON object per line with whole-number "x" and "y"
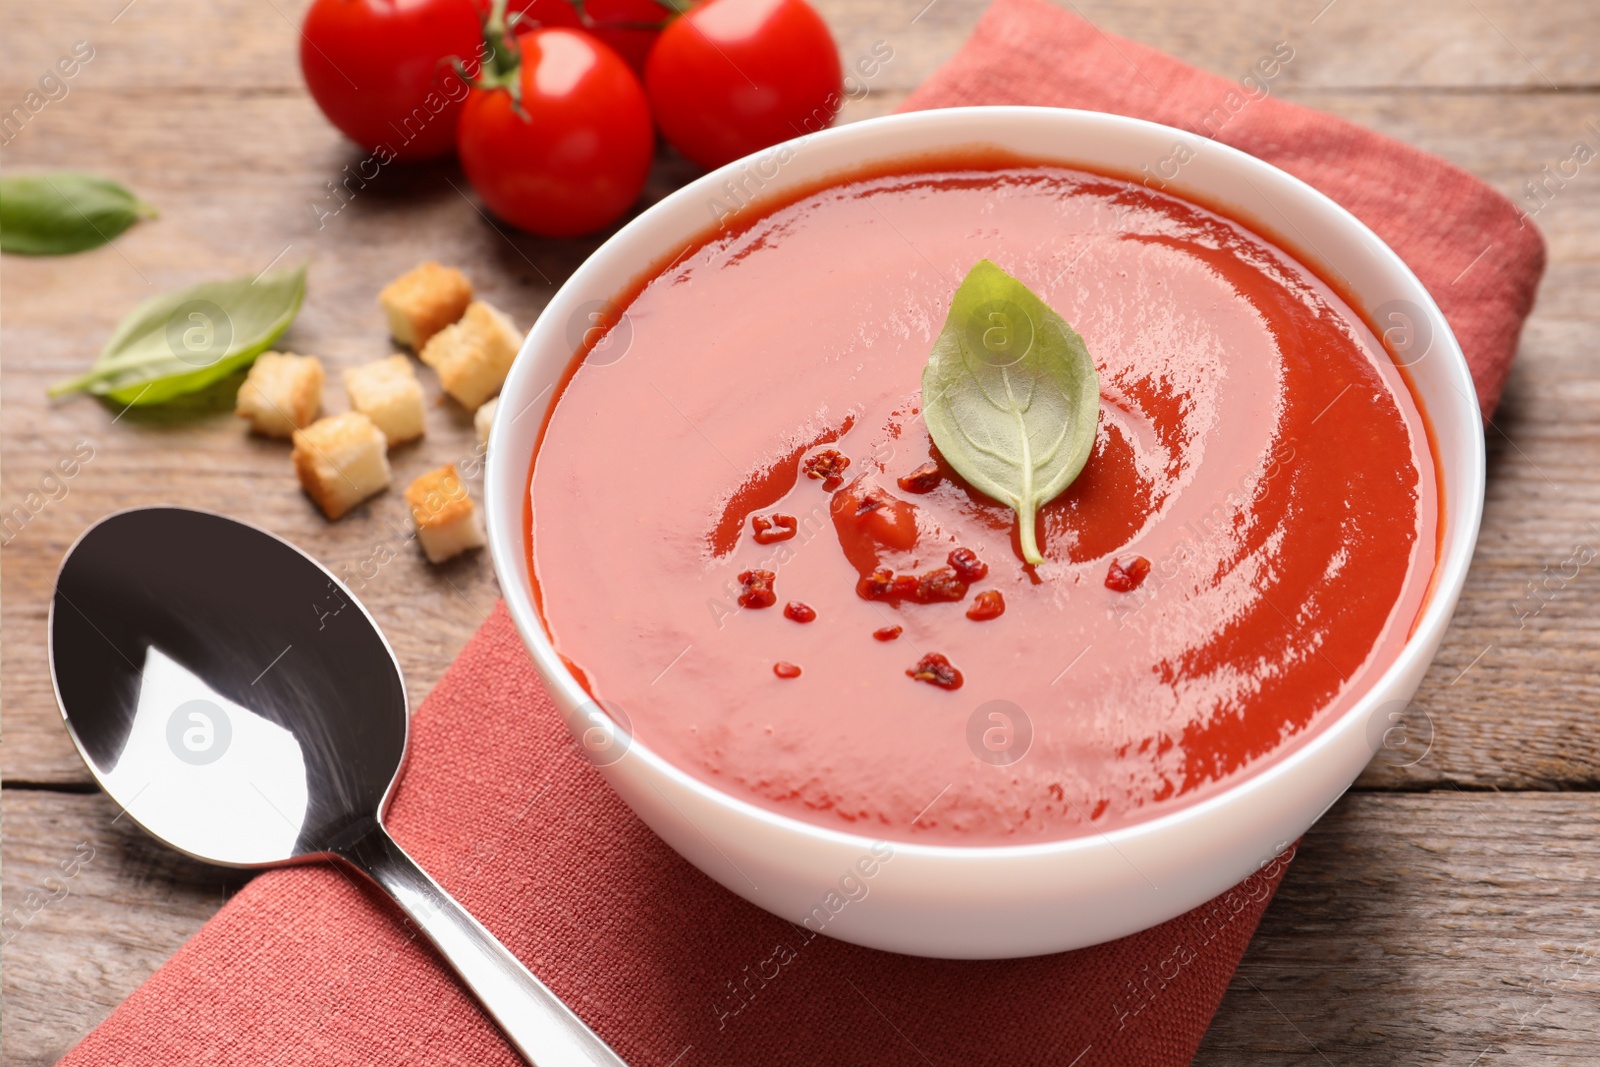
{"x": 63, "y": 212}
{"x": 1011, "y": 396}
{"x": 181, "y": 342}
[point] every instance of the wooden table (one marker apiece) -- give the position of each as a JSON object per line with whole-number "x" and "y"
{"x": 1443, "y": 912}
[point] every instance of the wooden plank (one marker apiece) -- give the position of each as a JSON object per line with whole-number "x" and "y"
{"x": 89, "y": 907}
{"x": 1351, "y": 44}
{"x": 1516, "y": 44}
{"x": 1410, "y": 929}
{"x": 1427, "y": 929}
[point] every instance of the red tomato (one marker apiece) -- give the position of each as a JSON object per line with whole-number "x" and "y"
{"x": 575, "y": 156}
{"x": 375, "y": 68}
{"x": 735, "y": 76}
{"x": 622, "y": 24}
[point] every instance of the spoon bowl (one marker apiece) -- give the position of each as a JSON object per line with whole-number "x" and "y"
{"x": 224, "y": 689}
{"x": 243, "y": 707}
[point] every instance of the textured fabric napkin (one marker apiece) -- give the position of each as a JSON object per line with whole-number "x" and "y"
{"x": 306, "y": 967}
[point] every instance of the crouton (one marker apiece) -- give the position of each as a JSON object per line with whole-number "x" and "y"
{"x": 447, "y": 523}
{"x": 341, "y": 461}
{"x": 281, "y": 394}
{"x": 473, "y": 355}
{"x": 482, "y": 419}
{"x": 423, "y": 301}
{"x": 387, "y": 392}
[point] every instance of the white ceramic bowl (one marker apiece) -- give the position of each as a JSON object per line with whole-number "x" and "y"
{"x": 986, "y": 902}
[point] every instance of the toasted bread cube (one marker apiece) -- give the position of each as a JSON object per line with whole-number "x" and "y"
{"x": 387, "y": 392}
{"x": 474, "y": 355}
{"x": 423, "y": 301}
{"x": 341, "y": 460}
{"x": 482, "y": 419}
{"x": 447, "y": 523}
{"x": 281, "y": 394}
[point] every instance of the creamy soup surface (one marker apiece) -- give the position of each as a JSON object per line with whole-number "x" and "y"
{"x": 1248, "y": 545}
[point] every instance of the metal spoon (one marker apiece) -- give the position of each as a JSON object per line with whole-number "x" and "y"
{"x": 243, "y": 707}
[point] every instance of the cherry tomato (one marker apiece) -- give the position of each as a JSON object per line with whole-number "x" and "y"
{"x": 629, "y": 26}
{"x": 574, "y": 155}
{"x": 377, "y": 69}
{"x": 732, "y": 77}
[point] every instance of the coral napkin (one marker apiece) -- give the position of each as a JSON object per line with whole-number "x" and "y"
{"x": 304, "y": 967}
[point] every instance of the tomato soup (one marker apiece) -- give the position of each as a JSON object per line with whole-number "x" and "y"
{"x": 741, "y": 534}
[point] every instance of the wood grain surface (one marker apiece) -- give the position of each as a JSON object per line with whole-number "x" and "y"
{"x": 1446, "y": 912}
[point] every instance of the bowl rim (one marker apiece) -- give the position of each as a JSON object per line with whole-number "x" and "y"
{"x": 1460, "y": 509}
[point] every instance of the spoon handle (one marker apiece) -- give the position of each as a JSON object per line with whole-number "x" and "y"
{"x": 542, "y": 1028}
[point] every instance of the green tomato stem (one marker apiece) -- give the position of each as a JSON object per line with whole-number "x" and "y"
{"x": 503, "y": 58}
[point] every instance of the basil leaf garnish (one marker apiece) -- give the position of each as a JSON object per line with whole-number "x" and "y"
{"x": 182, "y": 342}
{"x": 64, "y": 212}
{"x": 1011, "y": 396}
